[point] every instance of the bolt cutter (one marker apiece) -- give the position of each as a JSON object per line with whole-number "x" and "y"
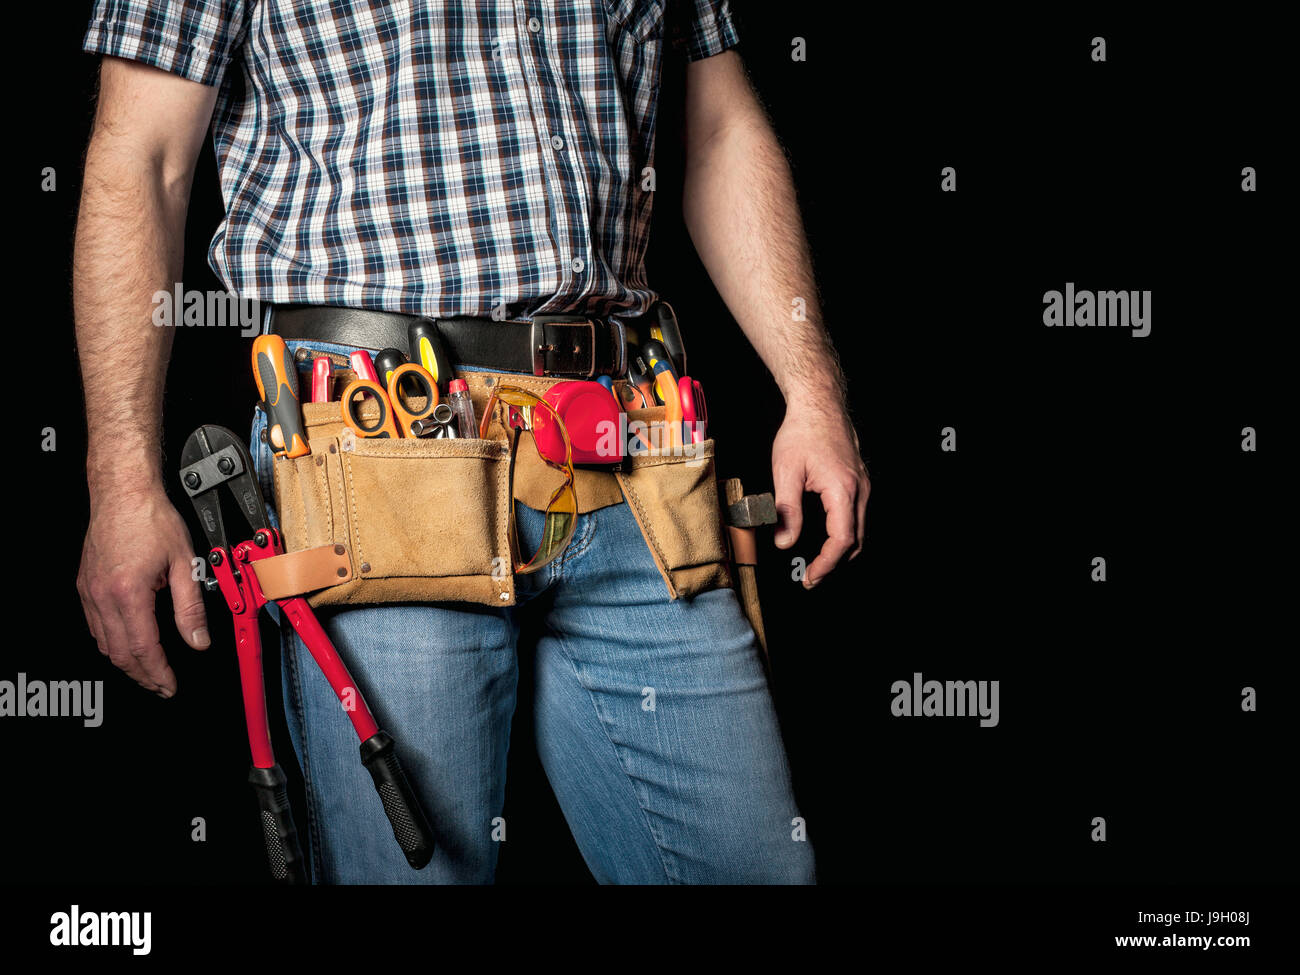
{"x": 215, "y": 459}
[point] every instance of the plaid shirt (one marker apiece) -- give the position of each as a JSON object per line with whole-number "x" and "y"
{"x": 436, "y": 157}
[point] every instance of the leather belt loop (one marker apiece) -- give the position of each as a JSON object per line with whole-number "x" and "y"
{"x": 618, "y": 339}
{"x": 294, "y": 573}
{"x": 537, "y": 346}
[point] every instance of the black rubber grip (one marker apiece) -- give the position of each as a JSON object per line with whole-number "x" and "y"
{"x": 427, "y": 348}
{"x": 282, "y": 850}
{"x": 410, "y": 826}
{"x": 667, "y": 322}
{"x": 277, "y": 383}
{"x": 386, "y": 362}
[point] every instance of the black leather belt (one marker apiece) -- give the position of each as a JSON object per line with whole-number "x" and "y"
{"x": 547, "y": 345}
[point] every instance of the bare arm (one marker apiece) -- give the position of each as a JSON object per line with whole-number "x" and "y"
{"x": 149, "y": 126}
{"x": 743, "y": 217}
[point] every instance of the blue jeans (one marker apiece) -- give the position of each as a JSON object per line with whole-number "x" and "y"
{"x": 654, "y": 722}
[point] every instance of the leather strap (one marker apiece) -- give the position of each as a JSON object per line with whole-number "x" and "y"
{"x": 547, "y": 345}
{"x": 295, "y": 573}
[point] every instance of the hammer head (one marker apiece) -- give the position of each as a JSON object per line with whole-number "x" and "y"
{"x": 752, "y": 510}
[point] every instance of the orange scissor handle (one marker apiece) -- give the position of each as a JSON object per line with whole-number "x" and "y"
{"x": 411, "y": 377}
{"x": 354, "y": 395}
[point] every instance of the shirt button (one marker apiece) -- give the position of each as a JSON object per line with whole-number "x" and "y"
{"x": 534, "y": 24}
{"x": 578, "y": 265}
{"x": 556, "y": 142}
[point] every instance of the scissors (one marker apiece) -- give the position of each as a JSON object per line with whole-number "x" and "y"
{"x": 396, "y": 416}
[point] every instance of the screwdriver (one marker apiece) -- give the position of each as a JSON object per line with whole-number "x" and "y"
{"x": 653, "y": 353}
{"x": 667, "y": 387}
{"x": 321, "y": 368}
{"x": 362, "y": 366}
{"x": 667, "y": 332}
{"x": 427, "y": 349}
{"x": 386, "y": 363}
{"x": 277, "y": 384}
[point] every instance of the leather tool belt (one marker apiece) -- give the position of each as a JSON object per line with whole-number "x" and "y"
{"x": 355, "y": 496}
{"x": 563, "y": 346}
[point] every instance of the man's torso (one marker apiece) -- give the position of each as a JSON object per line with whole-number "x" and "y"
{"x": 437, "y": 158}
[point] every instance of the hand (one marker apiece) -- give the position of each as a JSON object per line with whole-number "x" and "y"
{"x": 136, "y": 545}
{"x": 817, "y": 450}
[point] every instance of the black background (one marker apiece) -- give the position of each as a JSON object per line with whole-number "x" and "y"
{"x": 1119, "y": 699}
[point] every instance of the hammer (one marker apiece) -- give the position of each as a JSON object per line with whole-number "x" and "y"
{"x": 744, "y": 513}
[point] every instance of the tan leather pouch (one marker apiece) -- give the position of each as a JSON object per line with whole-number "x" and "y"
{"x": 421, "y": 520}
{"x": 674, "y": 497}
{"x": 424, "y": 520}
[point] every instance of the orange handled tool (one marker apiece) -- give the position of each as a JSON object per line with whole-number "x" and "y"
{"x": 354, "y": 395}
{"x": 277, "y": 384}
{"x": 411, "y": 375}
{"x": 666, "y": 386}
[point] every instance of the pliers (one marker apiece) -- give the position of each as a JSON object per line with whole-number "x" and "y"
{"x": 214, "y": 459}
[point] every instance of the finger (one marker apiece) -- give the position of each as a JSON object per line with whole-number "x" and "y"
{"x": 187, "y": 602}
{"x": 840, "y": 531}
{"x": 788, "y": 484}
{"x": 115, "y": 644}
{"x": 93, "y": 622}
{"x": 142, "y": 643}
{"x": 864, "y": 491}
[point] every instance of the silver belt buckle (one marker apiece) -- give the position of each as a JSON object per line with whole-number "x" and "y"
{"x": 538, "y": 341}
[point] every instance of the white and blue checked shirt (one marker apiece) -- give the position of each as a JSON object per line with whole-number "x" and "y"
{"x": 435, "y": 157}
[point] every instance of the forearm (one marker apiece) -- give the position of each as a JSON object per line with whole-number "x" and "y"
{"x": 743, "y": 217}
{"x": 129, "y": 245}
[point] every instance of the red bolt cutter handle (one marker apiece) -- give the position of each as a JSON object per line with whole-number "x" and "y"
{"x": 238, "y": 582}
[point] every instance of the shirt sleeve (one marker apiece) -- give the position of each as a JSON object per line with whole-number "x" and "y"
{"x": 703, "y": 28}
{"x": 191, "y": 38}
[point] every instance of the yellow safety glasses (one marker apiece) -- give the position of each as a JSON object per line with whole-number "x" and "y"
{"x": 562, "y": 510}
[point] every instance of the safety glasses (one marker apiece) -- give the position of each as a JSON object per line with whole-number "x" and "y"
{"x": 530, "y": 412}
